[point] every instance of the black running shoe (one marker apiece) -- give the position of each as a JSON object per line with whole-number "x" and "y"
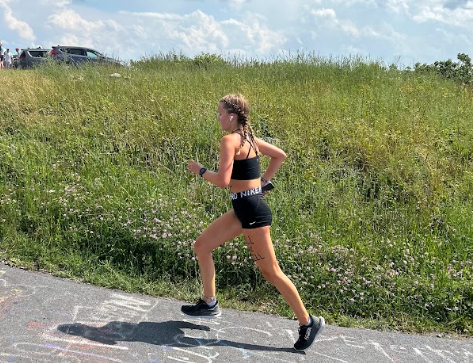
{"x": 307, "y": 334}
{"x": 201, "y": 310}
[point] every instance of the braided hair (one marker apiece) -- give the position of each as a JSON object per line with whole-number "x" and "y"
{"x": 237, "y": 104}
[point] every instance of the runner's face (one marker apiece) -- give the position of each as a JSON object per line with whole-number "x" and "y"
{"x": 223, "y": 117}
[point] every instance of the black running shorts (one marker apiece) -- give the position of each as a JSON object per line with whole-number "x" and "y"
{"x": 252, "y": 211}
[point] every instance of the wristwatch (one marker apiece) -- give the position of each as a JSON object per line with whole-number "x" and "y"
{"x": 202, "y": 171}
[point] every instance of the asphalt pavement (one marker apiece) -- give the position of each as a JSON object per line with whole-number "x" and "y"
{"x": 45, "y": 319}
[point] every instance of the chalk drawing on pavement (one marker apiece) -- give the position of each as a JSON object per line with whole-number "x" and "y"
{"x": 124, "y": 328}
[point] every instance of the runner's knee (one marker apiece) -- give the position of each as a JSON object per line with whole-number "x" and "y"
{"x": 271, "y": 273}
{"x": 201, "y": 247}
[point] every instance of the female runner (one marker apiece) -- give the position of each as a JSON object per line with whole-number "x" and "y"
{"x": 251, "y": 216}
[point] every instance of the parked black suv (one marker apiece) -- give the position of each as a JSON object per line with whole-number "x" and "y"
{"x": 80, "y": 55}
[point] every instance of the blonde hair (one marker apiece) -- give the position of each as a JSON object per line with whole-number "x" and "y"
{"x": 236, "y": 103}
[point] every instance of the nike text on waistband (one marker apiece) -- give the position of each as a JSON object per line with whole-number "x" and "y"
{"x": 246, "y": 193}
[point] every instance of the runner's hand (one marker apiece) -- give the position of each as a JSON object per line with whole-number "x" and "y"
{"x": 194, "y": 167}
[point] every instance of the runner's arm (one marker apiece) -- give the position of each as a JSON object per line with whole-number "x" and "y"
{"x": 276, "y": 156}
{"x": 223, "y": 176}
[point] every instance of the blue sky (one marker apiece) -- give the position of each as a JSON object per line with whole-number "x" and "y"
{"x": 393, "y": 31}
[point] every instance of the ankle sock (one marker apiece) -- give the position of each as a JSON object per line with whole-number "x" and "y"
{"x": 212, "y": 303}
{"x": 311, "y": 321}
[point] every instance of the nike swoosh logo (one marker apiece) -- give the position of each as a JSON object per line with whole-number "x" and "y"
{"x": 252, "y": 223}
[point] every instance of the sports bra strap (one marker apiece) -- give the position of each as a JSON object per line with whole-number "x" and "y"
{"x": 249, "y": 150}
{"x": 237, "y": 131}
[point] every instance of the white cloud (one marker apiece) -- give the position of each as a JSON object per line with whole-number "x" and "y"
{"x": 325, "y": 13}
{"x": 198, "y": 32}
{"x": 262, "y": 38}
{"x": 235, "y": 4}
{"x": 344, "y": 25}
{"x": 457, "y": 16}
{"x": 349, "y": 3}
{"x": 398, "y": 6}
{"x": 155, "y": 16}
{"x": 350, "y": 49}
{"x": 70, "y": 28}
{"x": 71, "y": 21}
{"x": 58, "y": 3}
{"x": 342, "y": 30}
{"x": 351, "y": 29}
{"x": 11, "y": 22}
{"x": 448, "y": 37}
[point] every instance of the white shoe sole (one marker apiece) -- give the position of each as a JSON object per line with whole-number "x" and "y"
{"x": 202, "y": 316}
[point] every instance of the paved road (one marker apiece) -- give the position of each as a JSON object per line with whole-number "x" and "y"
{"x": 44, "y": 319}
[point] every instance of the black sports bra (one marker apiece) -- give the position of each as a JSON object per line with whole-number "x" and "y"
{"x": 247, "y": 169}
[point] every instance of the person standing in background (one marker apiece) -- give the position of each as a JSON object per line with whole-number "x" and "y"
{"x": 1, "y": 55}
{"x": 7, "y": 58}
{"x": 16, "y": 58}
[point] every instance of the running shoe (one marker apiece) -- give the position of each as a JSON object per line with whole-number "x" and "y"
{"x": 201, "y": 310}
{"x": 308, "y": 333}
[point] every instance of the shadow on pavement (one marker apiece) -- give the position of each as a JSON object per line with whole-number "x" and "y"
{"x": 168, "y": 333}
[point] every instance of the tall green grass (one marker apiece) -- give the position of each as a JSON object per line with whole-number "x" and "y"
{"x": 372, "y": 208}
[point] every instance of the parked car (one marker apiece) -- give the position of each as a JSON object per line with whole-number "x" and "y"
{"x": 32, "y": 57}
{"x": 80, "y": 55}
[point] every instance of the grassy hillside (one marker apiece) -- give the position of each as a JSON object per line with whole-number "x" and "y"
{"x": 372, "y": 209}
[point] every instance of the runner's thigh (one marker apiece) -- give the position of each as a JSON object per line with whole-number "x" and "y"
{"x": 223, "y": 229}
